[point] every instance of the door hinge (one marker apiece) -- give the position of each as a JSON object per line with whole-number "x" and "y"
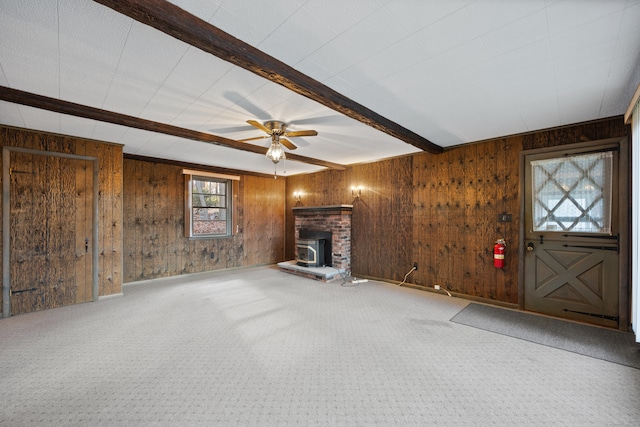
{"x": 19, "y": 291}
{"x": 602, "y": 248}
{"x": 595, "y": 236}
{"x": 12, "y": 171}
{"x": 601, "y": 316}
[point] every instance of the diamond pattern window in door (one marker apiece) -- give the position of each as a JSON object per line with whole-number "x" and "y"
{"x": 573, "y": 193}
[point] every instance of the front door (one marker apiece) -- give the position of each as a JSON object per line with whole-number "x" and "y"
{"x": 50, "y": 232}
{"x": 571, "y": 261}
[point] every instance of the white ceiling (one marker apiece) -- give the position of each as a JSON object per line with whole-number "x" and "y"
{"x": 452, "y": 71}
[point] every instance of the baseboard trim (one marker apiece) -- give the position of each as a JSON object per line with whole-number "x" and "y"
{"x": 111, "y": 296}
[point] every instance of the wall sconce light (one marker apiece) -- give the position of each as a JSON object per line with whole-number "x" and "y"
{"x": 356, "y": 192}
{"x": 297, "y": 195}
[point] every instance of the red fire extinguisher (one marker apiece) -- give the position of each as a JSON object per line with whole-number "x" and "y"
{"x": 498, "y": 253}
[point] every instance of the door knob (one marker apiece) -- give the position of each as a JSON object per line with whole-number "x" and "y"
{"x": 530, "y": 246}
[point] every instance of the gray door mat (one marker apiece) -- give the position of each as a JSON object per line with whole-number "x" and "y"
{"x": 600, "y": 343}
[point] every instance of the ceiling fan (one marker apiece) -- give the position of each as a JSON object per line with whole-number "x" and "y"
{"x": 277, "y": 130}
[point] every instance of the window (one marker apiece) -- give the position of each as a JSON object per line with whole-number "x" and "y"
{"x": 208, "y": 210}
{"x": 573, "y": 193}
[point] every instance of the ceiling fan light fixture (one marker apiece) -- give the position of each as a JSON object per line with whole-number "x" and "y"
{"x": 275, "y": 152}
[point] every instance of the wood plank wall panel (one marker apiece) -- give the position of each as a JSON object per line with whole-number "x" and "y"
{"x": 155, "y": 244}
{"x": 110, "y": 210}
{"x": 384, "y": 208}
{"x": 264, "y": 220}
{"x": 110, "y": 217}
{"x": 454, "y": 200}
{"x": 468, "y": 191}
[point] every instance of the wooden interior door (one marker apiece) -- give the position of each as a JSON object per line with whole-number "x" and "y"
{"x": 50, "y": 232}
{"x": 571, "y": 261}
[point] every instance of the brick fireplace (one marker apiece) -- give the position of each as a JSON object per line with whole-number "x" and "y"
{"x": 335, "y": 220}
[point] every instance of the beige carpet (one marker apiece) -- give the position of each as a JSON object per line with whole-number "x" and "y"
{"x": 260, "y": 347}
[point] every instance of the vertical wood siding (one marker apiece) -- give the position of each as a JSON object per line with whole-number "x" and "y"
{"x": 439, "y": 211}
{"x": 457, "y": 199}
{"x": 155, "y": 244}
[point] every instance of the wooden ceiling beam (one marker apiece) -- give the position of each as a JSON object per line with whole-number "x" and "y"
{"x": 178, "y": 23}
{"x": 78, "y": 110}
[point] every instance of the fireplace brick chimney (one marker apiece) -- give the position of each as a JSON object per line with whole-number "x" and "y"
{"x": 337, "y": 220}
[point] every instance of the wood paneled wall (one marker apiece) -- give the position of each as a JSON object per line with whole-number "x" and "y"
{"x": 457, "y": 197}
{"x": 110, "y": 197}
{"x": 155, "y": 244}
{"x": 439, "y": 211}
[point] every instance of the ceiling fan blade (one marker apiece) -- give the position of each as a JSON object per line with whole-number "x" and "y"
{"x": 301, "y": 133}
{"x": 259, "y": 126}
{"x": 254, "y": 138}
{"x": 290, "y": 145}
{"x": 249, "y": 106}
{"x": 229, "y": 129}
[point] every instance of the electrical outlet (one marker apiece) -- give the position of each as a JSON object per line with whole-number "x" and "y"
{"x": 415, "y": 265}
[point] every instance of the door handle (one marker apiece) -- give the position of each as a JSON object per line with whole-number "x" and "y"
{"x": 530, "y": 247}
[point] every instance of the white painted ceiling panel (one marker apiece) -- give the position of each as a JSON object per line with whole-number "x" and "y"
{"x": 544, "y": 112}
{"x": 453, "y": 72}
{"x": 110, "y": 133}
{"x": 490, "y": 15}
{"x": 338, "y": 15}
{"x": 146, "y": 62}
{"x": 70, "y": 125}
{"x": 246, "y": 22}
{"x": 438, "y": 38}
{"x": 630, "y": 18}
{"x": 568, "y": 14}
{"x": 519, "y": 62}
{"x": 192, "y": 76}
{"x": 516, "y": 35}
{"x": 385, "y": 63}
{"x": 11, "y": 115}
{"x": 89, "y": 51}
{"x": 32, "y": 66}
{"x": 417, "y": 15}
{"x": 374, "y": 33}
{"x": 37, "y": 119}
{"x": 3, "y": 78}
{"x": 509, "y": 122}
{"x": 584, "y": 36}
{"x": 310, "y": 34}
